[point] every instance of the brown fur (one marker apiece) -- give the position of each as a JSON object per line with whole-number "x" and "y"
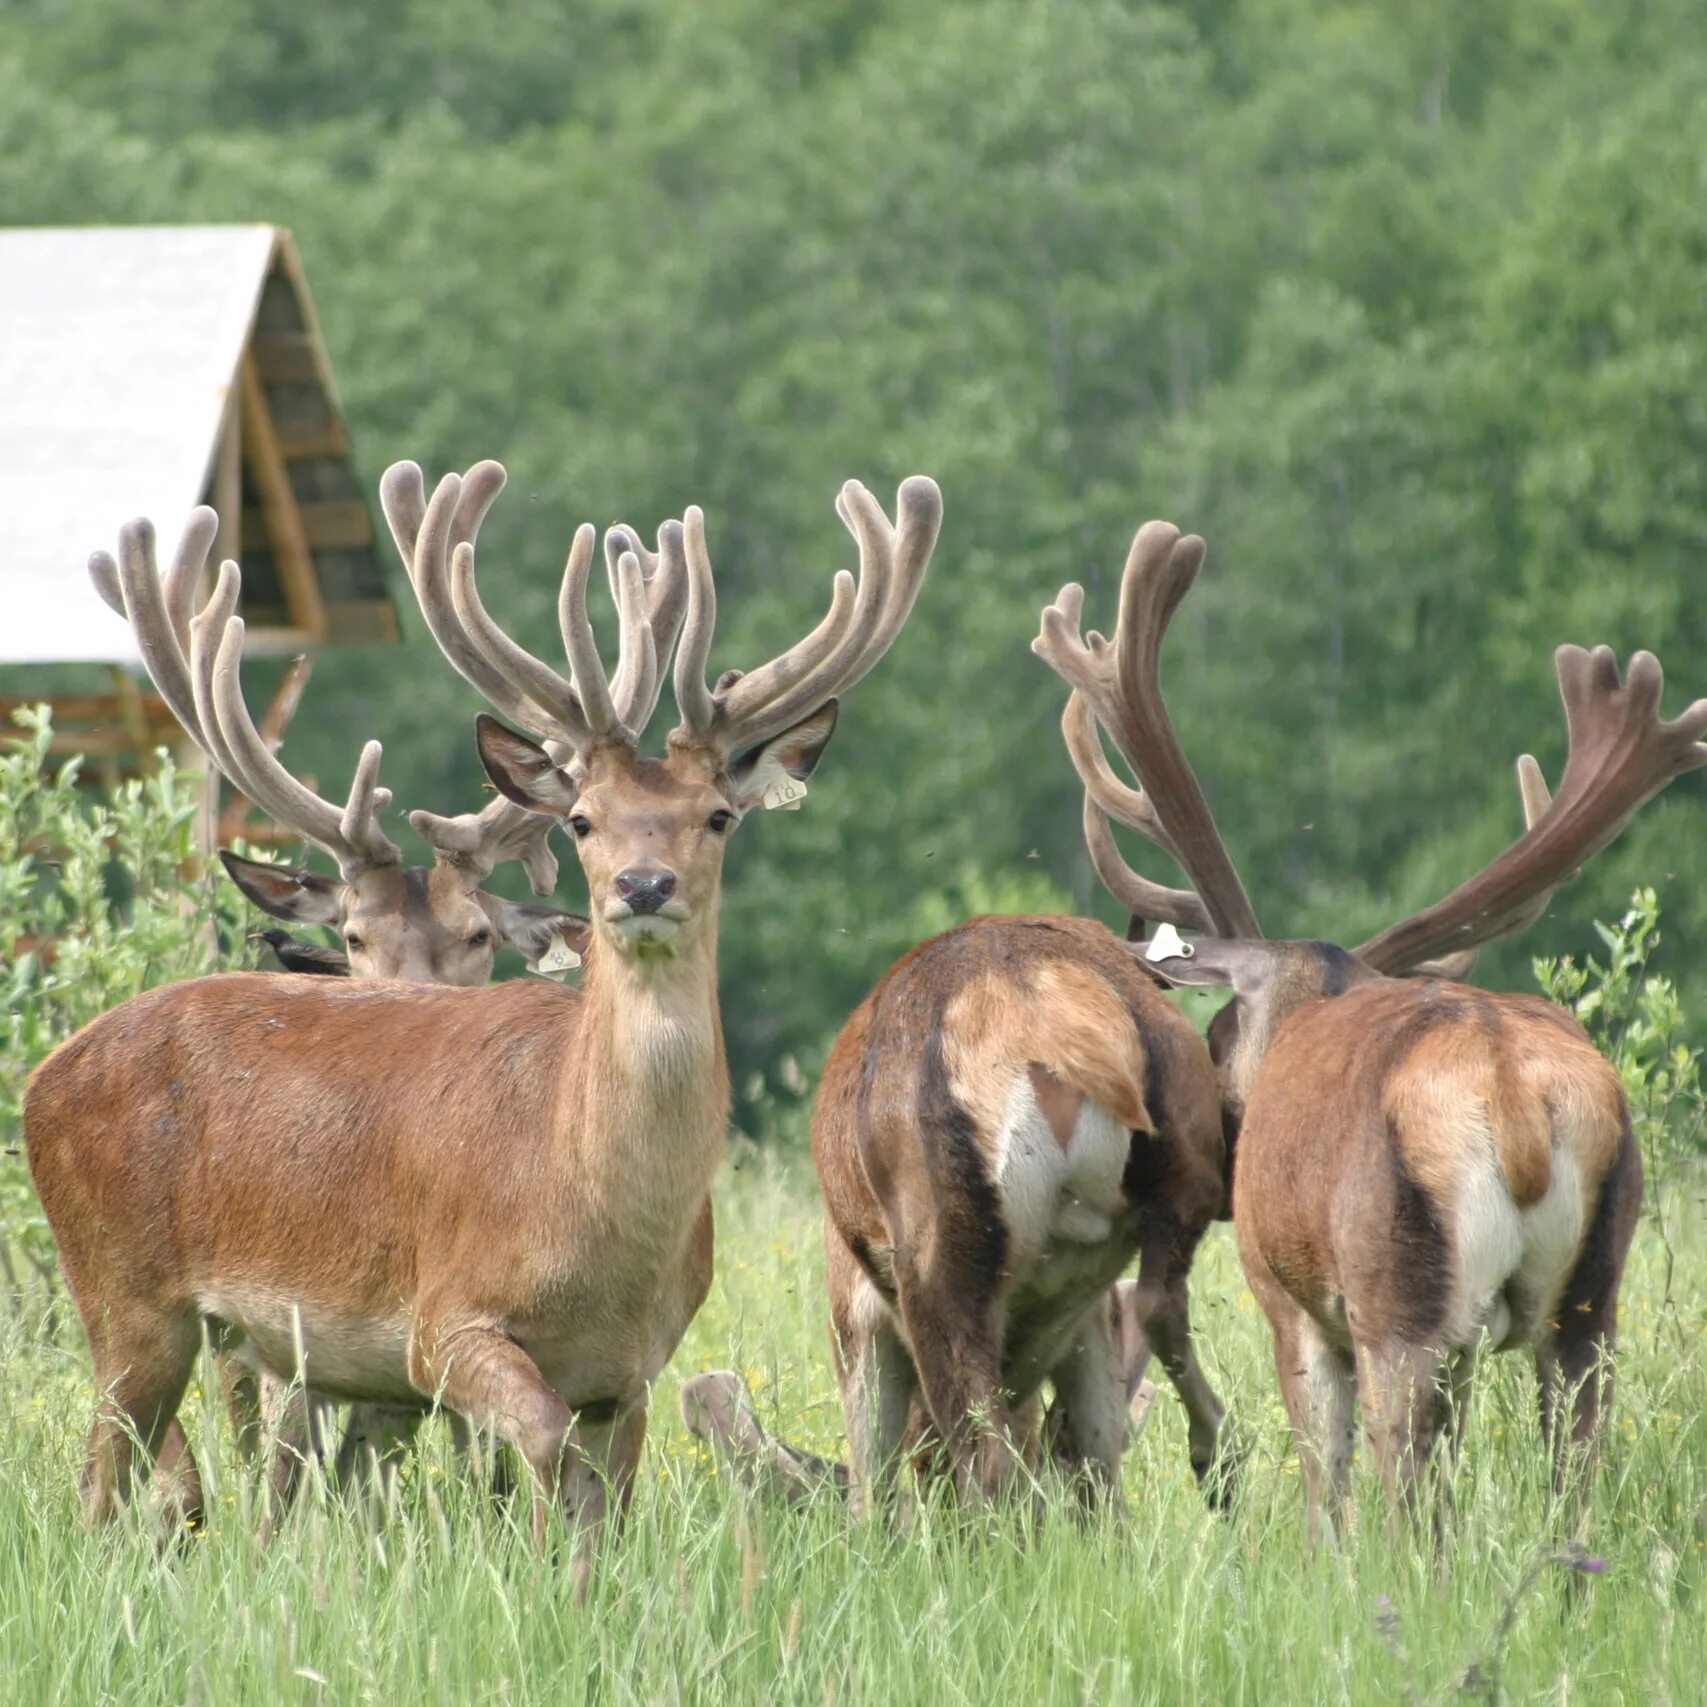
{"x": 1363, "y": 1195}
{"x": 937, "y": 1311}
{"x": 494, "y": 1197}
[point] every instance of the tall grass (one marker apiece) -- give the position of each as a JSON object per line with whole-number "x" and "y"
{"x": 712, "y": 1596}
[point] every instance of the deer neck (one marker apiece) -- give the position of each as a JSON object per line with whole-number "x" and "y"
{"x": 651, "y": 1052}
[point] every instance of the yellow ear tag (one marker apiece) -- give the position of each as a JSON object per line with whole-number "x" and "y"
{"x": 786, "y": 792}
{"x": 558, "y": 961}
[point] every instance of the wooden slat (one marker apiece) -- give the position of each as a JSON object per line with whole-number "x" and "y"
{"x": 88, "y": 707}
{"x": 283, "y": 517}
{"x": 330, "y": 524}
{"x": 304, "y": 439}
{"x": 361, "y": 622}
{"x": 337, "y": 523}
{"x": 287, "y": 356}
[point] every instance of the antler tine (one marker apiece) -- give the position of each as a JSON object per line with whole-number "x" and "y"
{"x": 540, "y": 698}
{"x": 479, "y": 842}
{"x": 663, "y": 573}
{"x": 1119, "y": 800}
{"x": 426, "y": 532}
{"x": 352, "y": 836}
{"x": 635, "y": 687}
{"x": 863, "y": 620}
{"x": 1106, "y": 796}
{"x": 1121, "y": 680}
{"x": 1135, "y": 892}
{"x": 132, "y": 586}
{"x": 919, "y": 509}
{"x": 664, "y": 586}
{"x": 586, "y": 668}
{"x": 1536, "y": 798}
{"x": 1620, "y": 754}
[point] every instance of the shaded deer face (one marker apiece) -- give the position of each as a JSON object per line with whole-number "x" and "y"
{"x": 418, "y": 924}
{"x": 651, "y": 833}
{"x": 1270, "y": 982}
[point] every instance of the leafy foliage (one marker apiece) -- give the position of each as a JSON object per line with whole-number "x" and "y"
{"x": 98, "y": 901}
{"x": 1399, "y": 307}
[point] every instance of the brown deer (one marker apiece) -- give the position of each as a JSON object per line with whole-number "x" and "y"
{"x": 430, "y": 925}
{"x": 492, "y": 1199}
{"x": 1012, "y": 1115}
{"x": 1419, "y": 1163}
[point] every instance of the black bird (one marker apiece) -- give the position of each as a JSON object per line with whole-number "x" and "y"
{"x": 295, "y": 955}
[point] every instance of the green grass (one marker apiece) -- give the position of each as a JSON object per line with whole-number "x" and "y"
{"x": 712, "y": 1597}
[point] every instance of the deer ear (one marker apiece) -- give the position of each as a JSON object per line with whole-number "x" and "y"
{"x": 522, "y": 770}
{"x": 1207, "y": 962}
{"x": 534, "y": 929}
{"x": 794, "y": 753}
{"x": 303, "y": 897}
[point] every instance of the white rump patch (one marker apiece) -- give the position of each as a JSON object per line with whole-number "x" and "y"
{"x": 1497, "y": 1244}
{"x": 1050, "y": 1193}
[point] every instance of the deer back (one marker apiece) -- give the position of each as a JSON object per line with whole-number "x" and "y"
{"x": 991, "y": 1037}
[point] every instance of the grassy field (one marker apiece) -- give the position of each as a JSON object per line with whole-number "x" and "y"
{"x": 715, "y": 1597}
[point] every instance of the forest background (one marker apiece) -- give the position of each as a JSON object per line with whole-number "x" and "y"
{"x": 1403, "y": 308}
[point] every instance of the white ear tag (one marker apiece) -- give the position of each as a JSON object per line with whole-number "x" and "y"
{"x": 558, "y": 961}
{"x": 786, "y": 792}
{"x": 1168, "y": 944}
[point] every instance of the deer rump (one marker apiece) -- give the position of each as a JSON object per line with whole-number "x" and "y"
{"x": 1012, "y": 1113}
{"x": 1474, "y": 1158}
{"x": 303, "y": 1162}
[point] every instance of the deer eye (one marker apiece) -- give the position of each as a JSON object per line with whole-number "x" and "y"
{"x": 719, "y": 821}
{"x": 581, "y": 825}
{"x": 480, "y": 938}
{"x": 352, "y": 941}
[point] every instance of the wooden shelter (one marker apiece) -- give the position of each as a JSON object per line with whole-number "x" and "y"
{"x": 144, "y": 370}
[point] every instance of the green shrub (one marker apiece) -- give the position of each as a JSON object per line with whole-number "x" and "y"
{"x": 99, "y": 899}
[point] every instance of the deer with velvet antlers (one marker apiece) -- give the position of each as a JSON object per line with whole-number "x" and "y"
{"x": 495, "y": 1199}
{"x": 431, "y": 925}
{"x": 1012, "y": 1115}
{"x": 1420, "y": 1164}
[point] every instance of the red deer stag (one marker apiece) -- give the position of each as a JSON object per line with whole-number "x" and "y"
{"x": 491, "y": 1199}
{"x": 1013, "y": 1114}
{"x": 430, "y": 925}
{"x": 1419, "y": 1163}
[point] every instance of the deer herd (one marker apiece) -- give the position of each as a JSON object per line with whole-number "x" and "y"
{"x": 408, "y": 1189}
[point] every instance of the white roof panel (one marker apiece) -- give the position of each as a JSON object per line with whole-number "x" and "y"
{"x": 118, "y": 346}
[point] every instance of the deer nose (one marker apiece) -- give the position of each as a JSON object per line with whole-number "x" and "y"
{"x": 645, "y": 887}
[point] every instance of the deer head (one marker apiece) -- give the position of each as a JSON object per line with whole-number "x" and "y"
{"x": 651, "y": 832}
{"x": 1621, "y": 754}
{"x": 421, "y": 924}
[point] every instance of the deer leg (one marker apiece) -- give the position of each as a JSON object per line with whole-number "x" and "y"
{"x": 876, "y": 1376}
{"x": 1318, "y": 1383}
{"x": 486, "y": 1458}
{"x": 1401, "y": 1386}
{"x": 177, "y": 1484}
{"x": 1089, "y": 1414}
{"x": 1574, "y": 1354}
{"x": 956, "y": 1343}
{"x": 375, "y": 1440}
{"x": 486, "y": 1377}
{"x": 288, "y": 1430}
{"x": 141, "y": 1370}
{"x": 1161, "y": 1306}
{"x": 240, "y": 1389}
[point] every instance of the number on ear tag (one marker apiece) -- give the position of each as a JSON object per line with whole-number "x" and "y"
{"x": 1168, "y": 944}
{"x": 786, "y": 792}
{"x": 558, "y": 961}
